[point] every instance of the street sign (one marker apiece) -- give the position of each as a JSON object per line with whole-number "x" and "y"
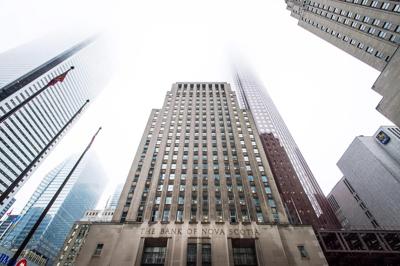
{"x": 22, "y": 262}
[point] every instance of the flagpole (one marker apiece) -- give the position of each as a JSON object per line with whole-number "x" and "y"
{"x": 13, "y": 260}
{"x": 12, "y": 186}
{"x": 27, "y": 100}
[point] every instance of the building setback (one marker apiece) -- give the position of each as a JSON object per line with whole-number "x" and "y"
{"x": 302, "y": 197}
{"x": 368, "y": 30}
{"x": 200, "y": 191}
{"x": 367, "y": 196}
{"x": 80, "y": 193}
{"x": 26, "y": 136}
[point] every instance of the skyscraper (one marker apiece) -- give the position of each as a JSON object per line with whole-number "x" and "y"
{"x": 80, "y": 193}
{"x": 6, "y": 224}
{"x": 302, "y": 197}
{"x": 5, "y": 207}
{"x": 200, "y": 192}
{"x": 28, "y": 134}
{"x": 367, "y": 196}
{"x": 367, "y": 29}
{"x": 113, "y": 200}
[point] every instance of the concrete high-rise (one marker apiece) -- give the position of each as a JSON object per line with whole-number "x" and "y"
{"x": 26, "y": 136}
{"x": 200, "y": 192}
{"x": 367, "y": 196}
{"x": 81, "y": 192}
{"x": 302, "y": 197}
{"x": 367, "y": 29}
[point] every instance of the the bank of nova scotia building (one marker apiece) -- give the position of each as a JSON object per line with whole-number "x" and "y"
{"x": 200, "y": 192}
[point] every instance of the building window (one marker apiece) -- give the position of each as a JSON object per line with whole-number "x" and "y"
{"x": 260, "y": 217}
{"x": 206, "y": 254}
{"x": 191, "y": 259}
{"x": 382, "y": 34}
{"x": 303, "y": 251}
{"x": 386, "y": 6}
{"x": 179, "y": 216}
{"x": 99, "y": 248}
{"x": 375, "y": 4}
{"x": 165, "y": 216}
{"x": 387, "y": 25}
{"x": 244, "y": 252}
{"x": 154, "y": 216}
{"x": 154, "y": 251}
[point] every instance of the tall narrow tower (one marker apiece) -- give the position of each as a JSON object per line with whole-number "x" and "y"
{"x": 302, "y": 197}
{"x": 200, "y": 192}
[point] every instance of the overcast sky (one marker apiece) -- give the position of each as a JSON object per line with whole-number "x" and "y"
{"x": 323, "y": 94}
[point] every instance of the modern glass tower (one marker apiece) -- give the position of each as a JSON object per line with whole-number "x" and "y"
{"x": 5, "y": 207}
{"x": 112, "y": 202}
{"x": 368, "y": 30}
{"x": 302, "y": 197}
{"x": 28, "y": 134}
{"x": 82, "y": 192}
{"x": 199, "y": 192}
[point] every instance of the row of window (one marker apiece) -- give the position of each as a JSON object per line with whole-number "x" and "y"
{"x": 214, "y": 86}
{"x": 377, "y": 4}
{"x": 349, "y": 40}
{"x": 354, "y": 20}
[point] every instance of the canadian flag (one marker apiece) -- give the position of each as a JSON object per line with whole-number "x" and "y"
{"x": 59, "y": 78}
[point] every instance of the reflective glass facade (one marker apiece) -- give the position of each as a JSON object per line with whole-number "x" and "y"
{"x": 80, "y": 193}
{"x": 254, "y": 97}
{"x": 26, "y": 69}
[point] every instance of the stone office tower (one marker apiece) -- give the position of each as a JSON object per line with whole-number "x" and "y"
{"x": 200, "y": 192}
{"x": 367, "y": 29}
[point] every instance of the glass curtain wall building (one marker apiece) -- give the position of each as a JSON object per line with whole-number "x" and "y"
{"x": 26, "y": 136}
{"x": 81, "y": 193}
{"x": 112, "y": 202}
{"x": 281, "y": 149}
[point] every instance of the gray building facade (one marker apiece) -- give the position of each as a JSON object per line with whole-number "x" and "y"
{"x": 199, "y": 192}
{"x": 368, "y": 30}
{"x": 367, "y": 196}
{"x": 26, "y": 136}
